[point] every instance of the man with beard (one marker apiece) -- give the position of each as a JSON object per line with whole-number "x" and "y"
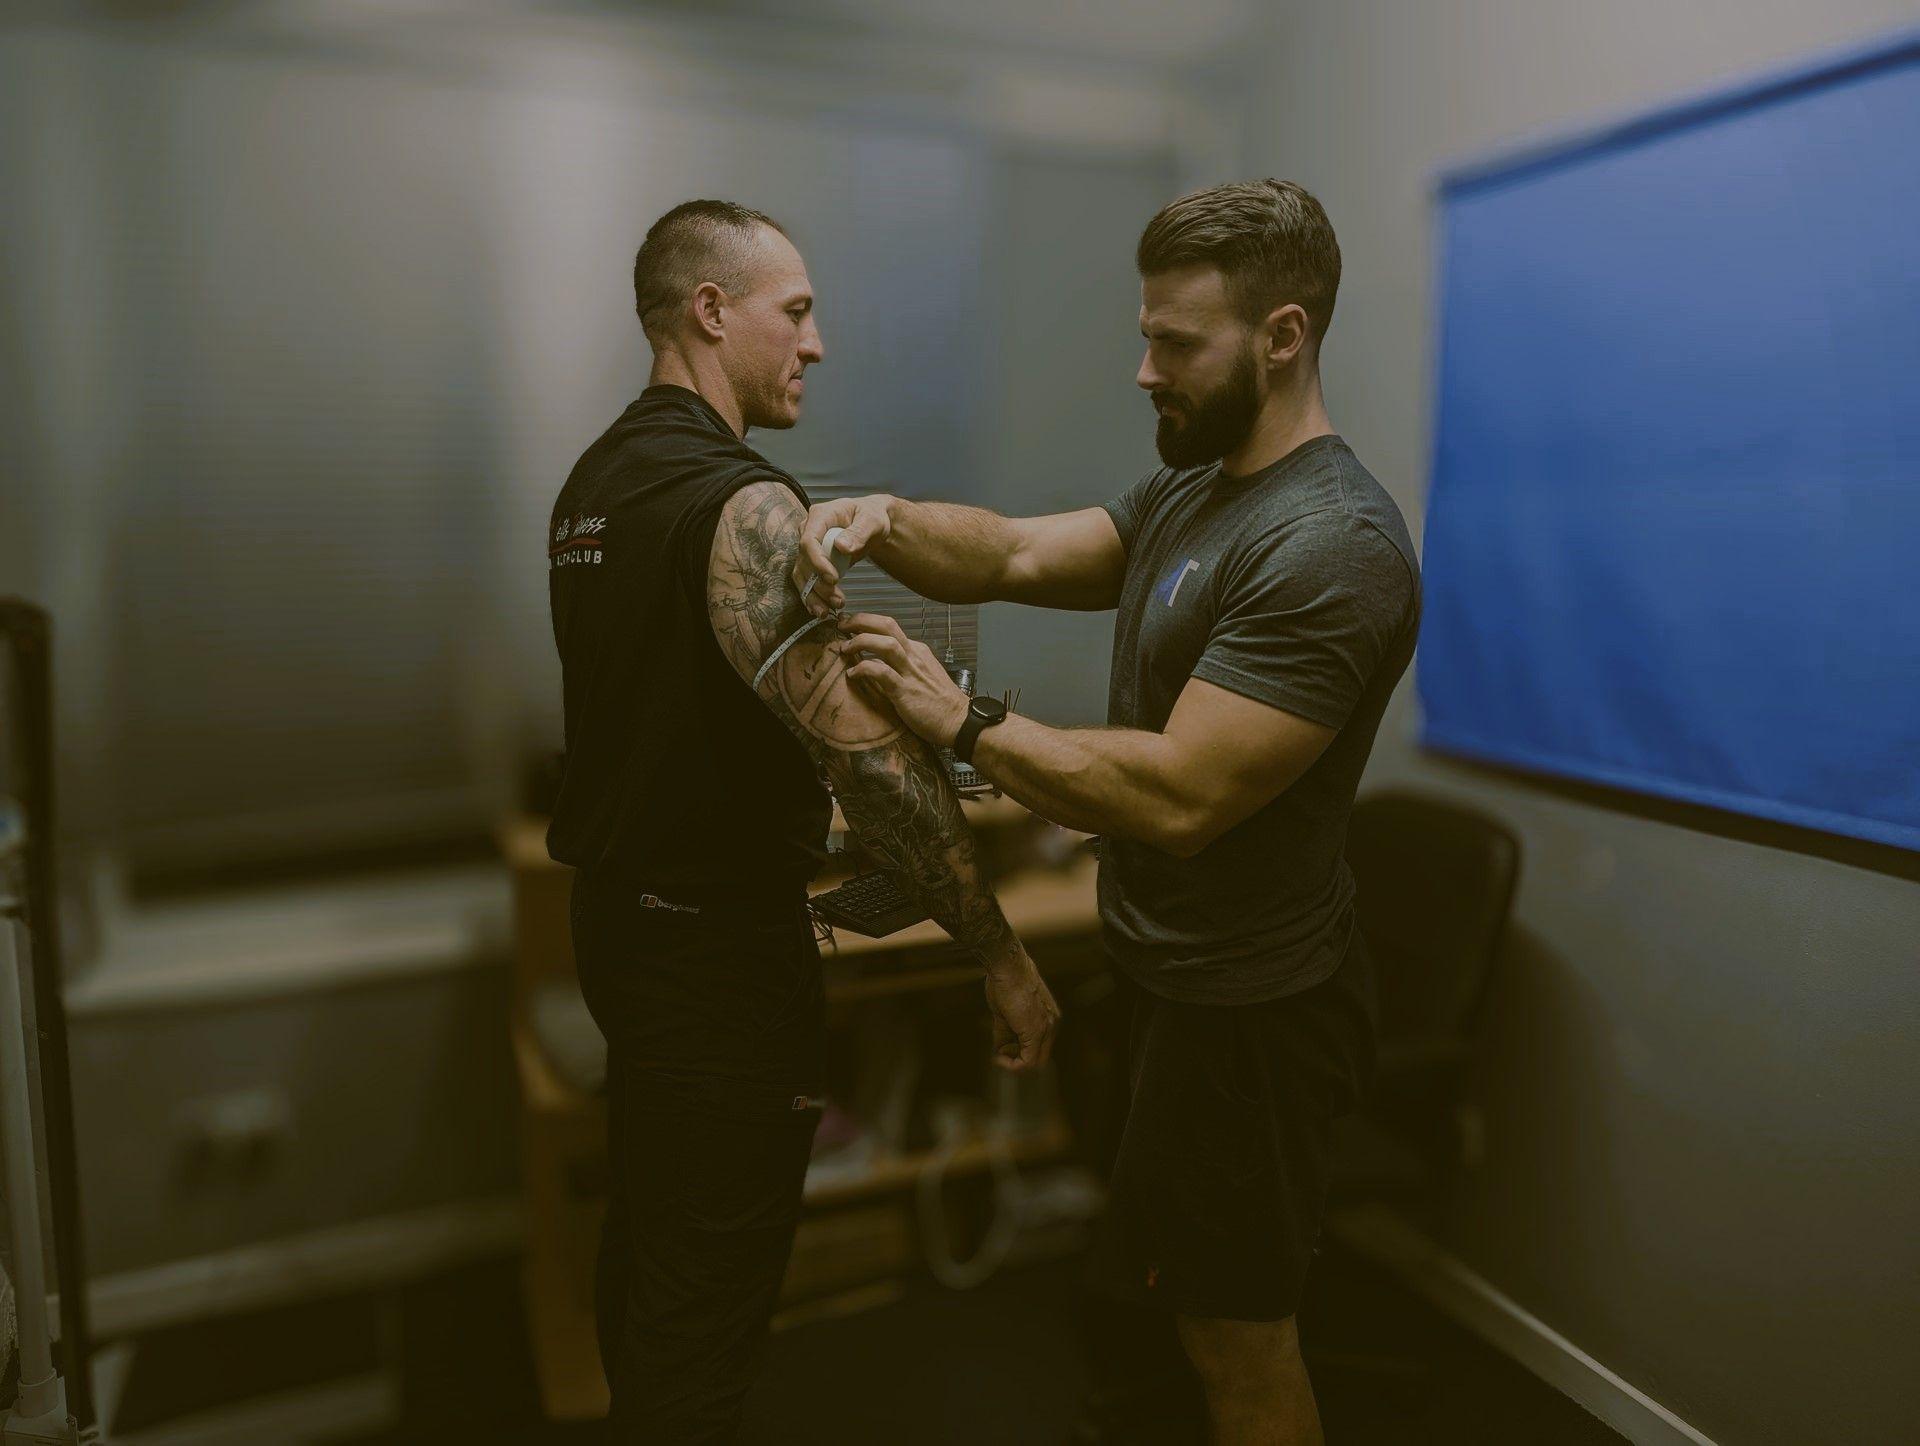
{"x": 1268, "y": 599}
{"x": 701, "y": 717}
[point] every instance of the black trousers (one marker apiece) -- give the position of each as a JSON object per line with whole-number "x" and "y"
{"x": 715, "y": 1031}
{"x": 699, "y": 1227}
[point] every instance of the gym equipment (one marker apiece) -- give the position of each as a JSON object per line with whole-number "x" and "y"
{"x": 55, "y": 1404}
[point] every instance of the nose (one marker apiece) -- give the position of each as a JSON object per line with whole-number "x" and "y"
{"x": 812, "y": 350}
{"x": 1148, "y": 378}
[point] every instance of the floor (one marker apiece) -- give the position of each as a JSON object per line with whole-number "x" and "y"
{"x": 1007, "y": 1363}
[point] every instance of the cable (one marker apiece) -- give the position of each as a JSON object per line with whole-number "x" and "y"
{"x": 1009, "y": 1208}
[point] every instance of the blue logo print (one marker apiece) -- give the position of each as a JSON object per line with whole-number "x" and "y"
{"x": 1169, "y": 588}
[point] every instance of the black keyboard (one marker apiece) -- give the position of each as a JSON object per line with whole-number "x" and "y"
{"x": 871, "y": 904}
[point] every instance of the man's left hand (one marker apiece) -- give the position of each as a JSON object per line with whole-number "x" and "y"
{"x": 905, "y": 672}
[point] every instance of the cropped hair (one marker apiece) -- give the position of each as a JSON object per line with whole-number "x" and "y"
{"x": 1270, "y": 240}
{"x": 695, "y": 242}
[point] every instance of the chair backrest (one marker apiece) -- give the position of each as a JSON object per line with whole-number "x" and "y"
{"x": 1435, "y": 883}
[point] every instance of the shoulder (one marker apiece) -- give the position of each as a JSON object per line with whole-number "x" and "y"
{"x": 1362, "y": 500}
{"x": 1340, "y": 508}
{"x": 1165, "y": 484}
{"x": 1348, "y": 538}
{"x": 1143, "y": 506}
{"x": 672, "y": 434}
{"x": 763, "y": 501}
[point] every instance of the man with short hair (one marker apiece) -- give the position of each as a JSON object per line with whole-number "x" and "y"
{"x": 1268, "y": 599}
{"x": 691, "y": 805}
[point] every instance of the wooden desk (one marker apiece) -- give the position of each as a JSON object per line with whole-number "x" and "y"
{"x": 563, "y": 1132}
{"x": 1046, "y": 908}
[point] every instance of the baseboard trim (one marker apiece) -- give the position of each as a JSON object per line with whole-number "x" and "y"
{"x": 354, "y": 1407}
{"x": 1385, "y": 1238}
{"x": 364, "y": 1255}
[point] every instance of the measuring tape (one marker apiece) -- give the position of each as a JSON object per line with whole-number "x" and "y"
{"x": 826, "y": 542}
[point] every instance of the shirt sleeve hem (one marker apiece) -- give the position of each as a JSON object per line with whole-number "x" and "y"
{"x": 1273, "y": 693}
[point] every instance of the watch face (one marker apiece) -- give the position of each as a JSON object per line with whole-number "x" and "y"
{"x": 987, "y": 710}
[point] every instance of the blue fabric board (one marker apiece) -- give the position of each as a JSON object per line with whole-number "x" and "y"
{"x": 1673, "y": 535}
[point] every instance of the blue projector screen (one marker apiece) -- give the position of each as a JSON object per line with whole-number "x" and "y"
{"x": 1673, "y": 536}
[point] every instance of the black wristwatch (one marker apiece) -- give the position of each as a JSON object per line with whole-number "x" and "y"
{"x": 981, "y": 713}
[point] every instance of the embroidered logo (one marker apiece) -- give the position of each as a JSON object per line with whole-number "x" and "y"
{"x": 1169, "y": 588}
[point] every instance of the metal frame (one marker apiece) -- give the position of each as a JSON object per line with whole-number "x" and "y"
{"x": 29, "y": 741}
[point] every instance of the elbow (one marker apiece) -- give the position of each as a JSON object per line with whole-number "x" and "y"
{"x": 1185, "y": 830}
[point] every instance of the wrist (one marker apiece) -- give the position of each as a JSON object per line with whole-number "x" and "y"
{"x": 1007, "y": 960}
{"x": 982, "y": 715}
{"x": 956, "y": 720}
{"x": 888, "y": 506}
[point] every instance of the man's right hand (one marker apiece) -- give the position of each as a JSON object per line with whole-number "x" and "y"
{"x": 1024, "y": 1014}
{"x": 865, "y": 522}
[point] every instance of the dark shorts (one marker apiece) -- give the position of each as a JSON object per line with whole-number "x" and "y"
{"x": 1220, "y": 1182}
{"x": 716, "y": 1040}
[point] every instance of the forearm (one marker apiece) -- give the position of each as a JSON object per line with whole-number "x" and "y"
{"x": 903, "y": 808}
{"x": 1117, "y": 781}
{"x": 947, "y": 552}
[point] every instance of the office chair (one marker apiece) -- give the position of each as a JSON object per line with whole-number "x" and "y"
{"x": 1435, "y": 883}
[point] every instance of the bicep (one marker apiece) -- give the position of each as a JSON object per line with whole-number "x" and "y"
{"x": 1066, "y": 560}
{"x": 1235, "y": 753}
{"x": 753, "y": 610}
{"x": 893, "y": 788}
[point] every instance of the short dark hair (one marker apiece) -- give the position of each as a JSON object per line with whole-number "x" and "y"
{"x": 694, "y": 242}
{"x": 1270, "y": 240}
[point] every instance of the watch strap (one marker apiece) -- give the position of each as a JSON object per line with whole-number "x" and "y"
{"x": 968, "y": 735}
{"x": 971, "y": 727}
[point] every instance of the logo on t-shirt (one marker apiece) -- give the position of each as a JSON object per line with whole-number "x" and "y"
{"x": 576, "y": 540}
{"x": 1169, "y": 588}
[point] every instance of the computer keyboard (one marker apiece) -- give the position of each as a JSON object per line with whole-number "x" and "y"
{"x": 871, "y": 904}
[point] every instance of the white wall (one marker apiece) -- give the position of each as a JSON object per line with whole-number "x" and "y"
{"x": 1065, "y": 427}
{"x": 1702, "y": 1085}
{"x": 309, "y": 314}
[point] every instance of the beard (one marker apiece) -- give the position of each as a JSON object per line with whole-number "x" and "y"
{"x": 1196, "y": 433}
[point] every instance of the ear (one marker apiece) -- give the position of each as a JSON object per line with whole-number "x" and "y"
{"x": 709, "y": 310}
{"x": 1285, "y": 333}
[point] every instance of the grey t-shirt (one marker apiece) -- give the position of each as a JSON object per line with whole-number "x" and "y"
{"x": 1298, "y": 587}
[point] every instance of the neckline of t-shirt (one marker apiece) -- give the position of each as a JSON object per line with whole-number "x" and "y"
{"x": 1277, "y": 466}
{"x": 673, "y": 391}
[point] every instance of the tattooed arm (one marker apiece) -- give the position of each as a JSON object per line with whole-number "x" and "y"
{"x": 892, "y": 787}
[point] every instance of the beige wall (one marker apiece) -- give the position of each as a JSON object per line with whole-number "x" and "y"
{"x": 1702, "y": 1089}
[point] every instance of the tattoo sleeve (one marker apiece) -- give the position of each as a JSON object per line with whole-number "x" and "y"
{"x": 892, "y": 787}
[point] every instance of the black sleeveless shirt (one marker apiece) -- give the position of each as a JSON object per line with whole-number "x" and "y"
{"x": 677, "y": 780}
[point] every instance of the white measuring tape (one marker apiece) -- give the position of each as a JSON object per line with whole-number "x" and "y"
{"x": 778, "y": 653}
{"x": 827, "y": 542}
